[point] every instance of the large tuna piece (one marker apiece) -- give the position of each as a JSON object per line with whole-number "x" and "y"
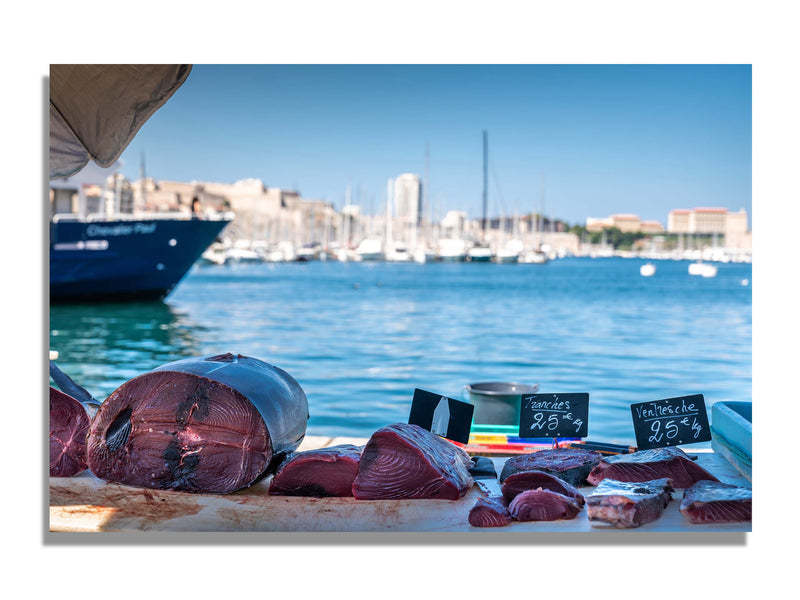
{"x": 407, "y": 461}
{"x": 543, "y": 505}
{"x": 204, "y": 425}
{"x": 522, "y": 481}
{"x": 646, "y": 465}
{"x": 69, "y": 425}
{"x": 489, "y": 512}
{"x": 626, "y": 505}
{"x": 715, "y": 502}
{"x": 570, "y": 464}
{"x": 323, "y": 472}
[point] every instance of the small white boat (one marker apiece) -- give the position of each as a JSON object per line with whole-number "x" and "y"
{"x": 370, "y": 249}
{"x": 647, "y": 270}
{"x": 479, "y": 253}
{"x": 702, "y": 269}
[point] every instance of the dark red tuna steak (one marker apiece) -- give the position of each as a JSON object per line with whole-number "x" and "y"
{"x": 69, "y": 425}
{"x": 543, "y": 505}
{"x": 407, "y": 461}
{"x": 625, "y": 505}
{"x": 570, "y": 464}
{"x": 522, "y": 481}
{"x": 203, "y": 425}
{"x": 321, "y": 472}
{"x": 647, "y": 465}
{"x": 716, "y": 502}
{"x": 489, "y": 512}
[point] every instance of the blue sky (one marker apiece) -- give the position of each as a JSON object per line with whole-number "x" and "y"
{"x": 603, "y": 139}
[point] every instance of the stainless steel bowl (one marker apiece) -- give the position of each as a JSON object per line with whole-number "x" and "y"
{"x": 498, "y": 403}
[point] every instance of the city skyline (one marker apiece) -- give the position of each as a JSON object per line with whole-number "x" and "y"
{"x": 591, "y": 140}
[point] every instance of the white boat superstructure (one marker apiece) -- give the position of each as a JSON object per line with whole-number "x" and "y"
{"x": 452, "y": 250}
{"x": 703, "y": 269}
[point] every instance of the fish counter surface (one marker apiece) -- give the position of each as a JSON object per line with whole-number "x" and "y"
{"x": 85, "y": 503}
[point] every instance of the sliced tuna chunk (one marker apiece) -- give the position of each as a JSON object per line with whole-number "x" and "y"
{"x": 321, "y": 472}
{"x": 625, "y": 505}
{"x": 519, "y": 482}
{"x": 543, "y": 505}
{"x": 647, "y": 465}
{"x": 69, "y": 425}
{"x": 716, "y": 502}
{"x": 406, "y": 461}
{"x": 489, "y": 512}
{"x": 570, "y": 464}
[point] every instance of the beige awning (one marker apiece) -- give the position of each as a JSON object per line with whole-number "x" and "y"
{"x": 96, "y": 110}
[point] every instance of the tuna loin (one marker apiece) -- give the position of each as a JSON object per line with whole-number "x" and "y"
{"x": 715, "y": 502}
{"x": 69, "y": 425}
{"x": 646, "y": 465}
{"x": 489, "y": 512}
{"x": 406, "y": 461}
{"x": 543, "y": 505}
{"x": 322, "y": 472}
{"x": 205, "y": 425}
{"x": 625, "y": 505}
{"x": 570, "y": 464}
{"x": 519, "y": 482}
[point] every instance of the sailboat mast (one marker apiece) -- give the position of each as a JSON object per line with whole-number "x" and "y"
{"x": 485, "y": 183}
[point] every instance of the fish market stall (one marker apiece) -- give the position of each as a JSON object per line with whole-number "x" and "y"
{"x": 85, "y": 503}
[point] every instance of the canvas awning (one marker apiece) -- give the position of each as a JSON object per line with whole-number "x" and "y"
{"x": 96, "y": 110}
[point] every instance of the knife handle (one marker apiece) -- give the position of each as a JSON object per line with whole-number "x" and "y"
{"x": 482, "y": 466}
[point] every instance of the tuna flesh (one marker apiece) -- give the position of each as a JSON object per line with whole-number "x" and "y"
{"x": 716, "y": 502}
{"x": 543, "y": 505}
{"x": 646, "y": 465}
{"x": 519, "y": 482}
{"x": 406, "y": 461}
{"x": 570, "y": 464}
{"x": 489, "y": 512}
{"x": 322, "y": 472}
{"x": 625, "y": 505}
{"x": 204, "y": 425}
{"x": 69, "y": 425}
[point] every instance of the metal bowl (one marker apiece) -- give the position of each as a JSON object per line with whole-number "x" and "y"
{"x": 498, "y": 403}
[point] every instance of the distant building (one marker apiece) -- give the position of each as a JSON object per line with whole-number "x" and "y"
{"x": 715, "y": 221}
{"x": 408, "y": 198}
{"x": 626, "y": 223}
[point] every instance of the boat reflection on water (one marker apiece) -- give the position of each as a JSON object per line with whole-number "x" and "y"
{"x": 101, "y": 346}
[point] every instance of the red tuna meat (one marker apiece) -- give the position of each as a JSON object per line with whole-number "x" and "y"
{"x": 519, "y": 482}
{"x": 203, "y": 425}
{"x": 543, "y": 505}
{"x": 321, "y": 472}
{"x": 625, "y": 504}
{"x": 570, "y": 464}
{"x": 647, "y": 465}
{"x": 69, "y": 425}
{"x": 716, "y": 502}
{"x": 406, "y": 461}
{"x": 489, "y": 512}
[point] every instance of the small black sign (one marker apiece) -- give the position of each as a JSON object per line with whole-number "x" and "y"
{"x": 670, "y": 422}
{"x": 554, "y": 415}
{"x": 444, "y": 416}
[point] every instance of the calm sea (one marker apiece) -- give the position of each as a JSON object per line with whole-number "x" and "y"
{"x": 360, "y": 337}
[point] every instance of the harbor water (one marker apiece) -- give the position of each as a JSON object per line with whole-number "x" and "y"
{"x": 360, "y": 337}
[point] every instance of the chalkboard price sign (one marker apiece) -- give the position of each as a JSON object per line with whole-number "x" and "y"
{"x": 670, "y": 422}
{"x": 554, "y": 415}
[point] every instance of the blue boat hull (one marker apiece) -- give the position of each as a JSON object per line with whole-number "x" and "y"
{"x": 125, "y": 259}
